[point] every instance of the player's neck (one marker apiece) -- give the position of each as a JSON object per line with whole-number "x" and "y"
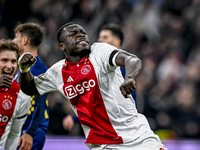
{"x": 76, "y": 59}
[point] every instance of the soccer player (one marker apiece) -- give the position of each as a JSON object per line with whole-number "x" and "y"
{"x": 29, "y": 36}
{"x": 90, "y": 78}
{"x": 14, "y": 104}
{"x": 113, "y": 35}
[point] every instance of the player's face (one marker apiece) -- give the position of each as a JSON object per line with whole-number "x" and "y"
{"x": 75, "y": 40}
{"x": 19, "y": 41}
{"x": 106, "y": 36}
{"x": 8, "y": 62}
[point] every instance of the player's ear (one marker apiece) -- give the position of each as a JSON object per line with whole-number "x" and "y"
{"x": 24, "y": 40}
{"x": 62, "y": 46}
{"x": 117, "y": 43}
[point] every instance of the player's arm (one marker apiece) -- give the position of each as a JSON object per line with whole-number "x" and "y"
{"x": 133, "y": 66}
{"x": 26, "y": 78}
{"x": 26, "y": 140}
{"x": 37, "y": 114}
{"x": 14, "y": 134}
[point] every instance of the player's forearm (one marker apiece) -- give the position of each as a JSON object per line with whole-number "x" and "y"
{"x": 12, "y": 140}
{"x": 27, "y": 85}
{"x": 11, "y": 143}
{"x": 130, "y": 62}
{"x": 133, "y": 67}
{"x": 14, "y": 134}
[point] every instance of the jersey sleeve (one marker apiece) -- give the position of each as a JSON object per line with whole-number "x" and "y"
{"x": 47, "y": 81}
{"x": 105, "y": 54}
{"x": 13, "y": 137}
{"x": 21, "y": 114}
{"x": 24, "y": 104}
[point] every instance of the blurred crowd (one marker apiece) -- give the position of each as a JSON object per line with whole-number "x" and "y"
{"x": 164, "y": 34}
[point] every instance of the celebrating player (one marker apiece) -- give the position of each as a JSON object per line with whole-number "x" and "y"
{"x": 90, "y": 78}
{"x": 113, "y": 35}
{"x": 14, "y": 104}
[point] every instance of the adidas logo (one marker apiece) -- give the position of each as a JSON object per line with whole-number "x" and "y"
{"x": 70, "y": 79}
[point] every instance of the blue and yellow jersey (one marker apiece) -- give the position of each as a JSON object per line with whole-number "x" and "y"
{"x": 38, "y": 115}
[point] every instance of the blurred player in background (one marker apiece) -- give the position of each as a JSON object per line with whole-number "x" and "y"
{"x": 14, "y": 104}
{"x": 90, "y": 78}
{"x": 29, "y": 36}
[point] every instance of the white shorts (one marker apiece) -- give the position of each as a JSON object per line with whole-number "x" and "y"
{"x": 147, "y": 141}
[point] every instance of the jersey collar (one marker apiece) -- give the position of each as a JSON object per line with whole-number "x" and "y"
{"x": 70, "y": 64}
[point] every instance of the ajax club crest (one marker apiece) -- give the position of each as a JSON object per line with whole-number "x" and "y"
{"x": 86, "y": 69}
{"x": 7, "y": 104}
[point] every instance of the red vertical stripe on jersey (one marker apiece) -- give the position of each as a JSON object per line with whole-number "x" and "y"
{"x": 84, "y": 93}
{"x": 8, "y": 98}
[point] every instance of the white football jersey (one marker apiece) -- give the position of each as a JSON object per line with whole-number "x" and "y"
{"x": 92, "y": 86}
{"x": 14, "y": 106}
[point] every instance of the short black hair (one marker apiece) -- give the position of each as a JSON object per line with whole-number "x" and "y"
{"x": 115, "y": 29}
{"x": 59, "y": 32}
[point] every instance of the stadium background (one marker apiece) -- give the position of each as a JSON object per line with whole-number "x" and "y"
{"x": 164, "y": 34}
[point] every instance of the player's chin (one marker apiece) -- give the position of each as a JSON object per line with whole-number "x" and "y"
{"x": 85, "y": 52}
{"x": 83, "y": 46}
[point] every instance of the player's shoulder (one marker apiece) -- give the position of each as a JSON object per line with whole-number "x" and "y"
{"x": 22, "y": 96}
{"x": 59, "y": 63}
{"x": 39, "y": 60}
{"x": 23, "y": 99}
{"x": 40, "y": 64}
{"x": 101, "y": 45}
{"x": 57, "y": 66}
{"x": 23, "y": 104}
{"x": 101, "y": 49}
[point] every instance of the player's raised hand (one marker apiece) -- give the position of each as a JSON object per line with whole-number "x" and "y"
{"x": 5, "y": 81}
{"x": 127, "y": 87}
{"x": 25, "y": 62}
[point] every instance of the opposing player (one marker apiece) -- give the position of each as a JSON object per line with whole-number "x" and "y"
{"x": 98, "y": 93}
{"x": 14, "y": 104}
{"x": 29, "y": 36}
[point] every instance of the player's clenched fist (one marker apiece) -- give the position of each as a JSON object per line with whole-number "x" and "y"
{"x": 127, "y": 87}
{"x": 25, "y": 62}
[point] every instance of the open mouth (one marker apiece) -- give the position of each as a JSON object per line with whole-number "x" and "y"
{"x": 7, "y": 73}
{"x": 82, "y": 42}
